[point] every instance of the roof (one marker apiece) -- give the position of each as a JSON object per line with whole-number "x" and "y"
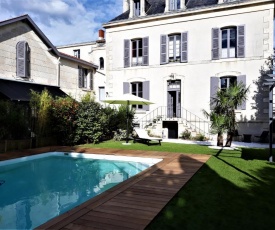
{"x": 157, "y": 7}
{"x": 27, "y": 19}
{"x": 21, "y": 91}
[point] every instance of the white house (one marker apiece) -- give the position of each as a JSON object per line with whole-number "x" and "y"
{"x": 30, "y": 61}
{"x": 93, "y": 52}
{"x": 177, "y": 53}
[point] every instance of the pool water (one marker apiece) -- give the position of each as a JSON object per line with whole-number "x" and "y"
{"x": 35, "y": 191}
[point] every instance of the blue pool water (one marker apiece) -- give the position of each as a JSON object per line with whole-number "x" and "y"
{"x": 34, "y": 191}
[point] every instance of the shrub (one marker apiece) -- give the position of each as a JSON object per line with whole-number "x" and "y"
{"x": 259, "y": 154}
{"x": 200, "y": 137}
{"x": 186, "y": 135}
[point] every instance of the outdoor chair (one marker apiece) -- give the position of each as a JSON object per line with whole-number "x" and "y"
{"x": 237, "y": 135}
{"x": 263, "y": 136}
{"x": 143, "y": 136}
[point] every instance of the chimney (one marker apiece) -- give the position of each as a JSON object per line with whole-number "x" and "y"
{"x": 126, "y": 5}
{"x": 100, "y": 34}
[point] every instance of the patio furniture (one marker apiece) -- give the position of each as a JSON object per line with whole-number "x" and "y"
{"x": 237, "y": 135}
{"x": 143, "y": 136}
{"x": 263, "y": 136}
{"x": 247, "y": 138}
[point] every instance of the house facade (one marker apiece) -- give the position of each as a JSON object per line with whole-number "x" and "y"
{"x": 93, "y": 52}
{"x": 177, "y": 54}
{"x": 30, "y": 61}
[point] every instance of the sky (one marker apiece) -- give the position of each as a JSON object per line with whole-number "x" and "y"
{"x": 64, "y": 21}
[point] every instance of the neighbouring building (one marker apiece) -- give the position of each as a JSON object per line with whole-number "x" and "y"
{"x": 94, "y": 52}
{"x": 178, "y": 53}
{"x": 30, "y": 61}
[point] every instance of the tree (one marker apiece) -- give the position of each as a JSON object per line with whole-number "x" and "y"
{"x": 223, "y": 116}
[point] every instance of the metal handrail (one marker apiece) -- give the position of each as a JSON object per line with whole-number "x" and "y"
{"x": 190, "y": 119}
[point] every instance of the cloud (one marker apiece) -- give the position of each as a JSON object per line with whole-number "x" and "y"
{"x": 64, "y": 21}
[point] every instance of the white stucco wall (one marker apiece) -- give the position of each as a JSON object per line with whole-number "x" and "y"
{"x": 195, "y": 74}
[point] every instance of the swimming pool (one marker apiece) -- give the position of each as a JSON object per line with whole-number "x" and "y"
{"x": 36, "y": 189}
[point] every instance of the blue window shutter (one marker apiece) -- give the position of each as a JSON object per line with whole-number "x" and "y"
{"x": 214, "y": 86}
{"x": 21, "y": 59}
{"x": 126, "y": 87}
{"x": 146, "y": 93}
{"x": 184, "y": 47}
{"x": 163, "y": 49}
{"x": 92, "y": 80}
{"x": 145, "y": 51}
{"x": 241, "y": 41}
{"x": 126, "y": 53}
{"x": 80, "y": 77}
{"x": 215, "y": 43}
{"x": 242, "y": 79}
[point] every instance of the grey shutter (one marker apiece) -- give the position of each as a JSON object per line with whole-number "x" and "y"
{"x": 21, "y": 59}
{"x": 80, "y": 77}
{"x": 146, "y": 93}
{"x": 215, "y": 43}
{"x": 91, "y": 80}
{"x": 126, "y": 87}
{"x": 145, "y": 51}
{"x": 214, "y": 86}
{"x": 240, "y": 41}
{"x": 163, "y": 49}
{"x": 184, "y": 47}
{"x": 242, "y": 78}
{"x": 28, "y": 60}
{"x": 126, "y": 53}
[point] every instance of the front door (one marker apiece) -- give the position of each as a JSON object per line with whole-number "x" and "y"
{"x": 173, "y": 99}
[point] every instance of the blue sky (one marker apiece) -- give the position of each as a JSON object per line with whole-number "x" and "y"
{"x": 64, "y": 21}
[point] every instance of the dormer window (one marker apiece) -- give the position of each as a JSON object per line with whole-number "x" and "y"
{"x": 77, "y": 53}
{"x": 136, "y": 8}
{"x": 174, "y": 5}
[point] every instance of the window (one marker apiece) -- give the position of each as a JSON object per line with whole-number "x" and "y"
{"x": 136, "y": 8}
{"x": 101, "y": 93}
{"x": 137, "y": 90}
{"x": 83, "y": 78}
{"x": 23, "y": 57}
{"x": 227, "y": 81}
{"x": 174, "y": 4}
{"x": 174, "y": 48}
{"x": 217, "y": 83}
{"x": 136, "y": 52}
{"x": 101, "y": 63}
{"x": 228, "y": 42}
{"x": 140, "y": 89}
{"x": 77, "y": 53}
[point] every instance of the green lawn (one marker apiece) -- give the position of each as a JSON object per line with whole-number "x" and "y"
{"x": 226, "y": 193}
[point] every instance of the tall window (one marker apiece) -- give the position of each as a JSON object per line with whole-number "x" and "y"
{"x": 136, "y": 8}
{"x": 23, "y": 57}
{"x": 82, "y": 77}
{"x": 227, "y": 81}
{"x": 174, "y": 4}
{"x": 77, "y": 53}
{"x": 174, "y": 48}
{"x": 101, "y": 63}
{"x": 229, "y": 42}
{"x": 137, "y": 90}
{"x": 136, "y": 52}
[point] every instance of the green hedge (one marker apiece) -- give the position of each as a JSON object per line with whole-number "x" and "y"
{"x": 259, "y": 154}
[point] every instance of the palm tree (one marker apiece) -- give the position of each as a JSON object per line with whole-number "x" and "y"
{"x": 222, "y": 116}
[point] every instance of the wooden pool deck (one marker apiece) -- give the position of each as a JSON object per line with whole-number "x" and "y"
{"x": 134, "y": 203}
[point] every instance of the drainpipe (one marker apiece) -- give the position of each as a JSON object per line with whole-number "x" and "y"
{"x": 58, "y": 72}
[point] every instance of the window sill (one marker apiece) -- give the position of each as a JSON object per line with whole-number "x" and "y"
{"x": 140, "y": 111}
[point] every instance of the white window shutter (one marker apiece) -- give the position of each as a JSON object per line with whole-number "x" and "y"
{"x": 146, "y": 93}
{"x": 184, "y": 47}
{"x": 241, "y": 41}
{"x": 214, "y": 86}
